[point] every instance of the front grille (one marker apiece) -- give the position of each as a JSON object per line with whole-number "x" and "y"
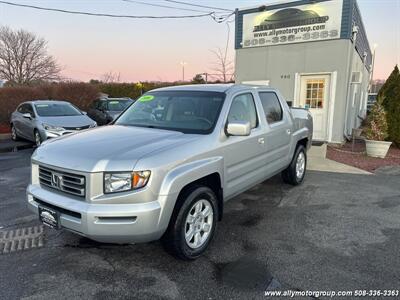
{"x": 62, "y": 181}
{"x": 77, "y": 128}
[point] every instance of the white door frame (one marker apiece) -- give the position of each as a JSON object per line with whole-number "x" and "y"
{"x": 332, "y": 94}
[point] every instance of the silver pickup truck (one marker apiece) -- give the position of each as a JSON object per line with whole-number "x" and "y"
{"x": 166, "y": 166}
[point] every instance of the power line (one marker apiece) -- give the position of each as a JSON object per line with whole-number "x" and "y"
{"x": 165, "y": 6}
{"x": 217, "y": 18}
{"x": 198, "y": 5}
{"x": 102, "y": 14}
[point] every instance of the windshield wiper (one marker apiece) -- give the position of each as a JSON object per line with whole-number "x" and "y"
{"x": 138, "y": 125}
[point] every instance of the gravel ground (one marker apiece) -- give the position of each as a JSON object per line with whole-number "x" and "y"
{"x": 359, "y": 159}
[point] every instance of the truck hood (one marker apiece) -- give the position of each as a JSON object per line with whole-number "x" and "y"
{"x": 109, "y": 148}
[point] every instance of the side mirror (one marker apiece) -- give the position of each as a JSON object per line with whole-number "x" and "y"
{"x": 27, "y": 115}
{"x": 238, "y": 128}
{"x": 84, "y": 112}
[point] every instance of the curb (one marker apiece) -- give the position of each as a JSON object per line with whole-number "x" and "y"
{"x": 5, "y": 136}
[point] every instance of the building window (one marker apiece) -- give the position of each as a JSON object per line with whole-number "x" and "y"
{"x": 315, "y": 93}
{"x": 272, "y": 107}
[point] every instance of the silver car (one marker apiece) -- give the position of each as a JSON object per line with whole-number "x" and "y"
{"x": 167, "y": 165}
{"x": 40, "y": 120}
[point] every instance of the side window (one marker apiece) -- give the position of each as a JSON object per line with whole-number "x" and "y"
{"x": 21, "y": 108}
{"x": 102, "y": 105}
{"x": 29, "y": 109}
{"x": 272, "y": 107}
{"x": 243, "y": 109}
{"x": 95, "y": 104}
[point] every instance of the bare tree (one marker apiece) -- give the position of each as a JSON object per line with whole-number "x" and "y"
{"x": 111, "y": 77}
{"x": 24, "y": 58}
{"x": 222, "y": 67}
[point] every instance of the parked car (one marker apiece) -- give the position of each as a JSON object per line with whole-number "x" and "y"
{"x": 104, "y": 111}
{"x": 40, "y": 120}
{"x": 166, "y": 166}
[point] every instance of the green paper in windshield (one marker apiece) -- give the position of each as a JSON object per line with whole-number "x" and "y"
{"x": 146, "y": 98}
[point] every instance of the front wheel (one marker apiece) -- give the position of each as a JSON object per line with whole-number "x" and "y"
{"x": 295, "y": 172}
{"x": 38, "y": 138}
{"x": 192, "y": 224}
{"x": 14, "y": 135}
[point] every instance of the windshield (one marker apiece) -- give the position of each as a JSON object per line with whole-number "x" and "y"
{"x": 185, "y": 111}
{"x": 56, "y": 110}
{"x": 118, "y": 105}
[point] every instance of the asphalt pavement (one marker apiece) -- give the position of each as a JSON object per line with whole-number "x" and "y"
{"x": 335, "y": 232}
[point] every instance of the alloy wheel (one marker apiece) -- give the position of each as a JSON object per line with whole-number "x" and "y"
{"x": 300, "y": 165}
{"x": 198, "y": 225}
{"x": 38, "y": 140}
{"x": 13, "y": 133}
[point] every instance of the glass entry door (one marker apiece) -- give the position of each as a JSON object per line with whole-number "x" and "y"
{"x": 314, "y": 95}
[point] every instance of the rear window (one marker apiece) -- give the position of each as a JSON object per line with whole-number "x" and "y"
{"x": 118, "y": 105}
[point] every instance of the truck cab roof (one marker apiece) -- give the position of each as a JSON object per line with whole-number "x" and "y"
{"x": 222, "y": 88}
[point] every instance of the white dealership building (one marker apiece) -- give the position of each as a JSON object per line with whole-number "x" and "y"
{"x": 315, "y": 52}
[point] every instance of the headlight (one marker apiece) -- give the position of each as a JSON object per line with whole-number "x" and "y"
{"x": 93, "y": 125}
{"x": 121, "y": 182}
{"x": 52, "y": 128}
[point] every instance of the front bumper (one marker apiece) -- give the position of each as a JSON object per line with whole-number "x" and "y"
{"x": 109, "y": 223}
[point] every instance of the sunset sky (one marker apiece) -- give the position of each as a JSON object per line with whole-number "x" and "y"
{"x": 87, "y": 47}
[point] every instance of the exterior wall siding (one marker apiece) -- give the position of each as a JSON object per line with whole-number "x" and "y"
{"x": 279, "y": 65}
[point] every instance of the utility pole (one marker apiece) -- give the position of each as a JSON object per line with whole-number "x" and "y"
{"x": 206, "y": 76}
{"x": 372, "y": 68}
{"x": 183, "y": 64}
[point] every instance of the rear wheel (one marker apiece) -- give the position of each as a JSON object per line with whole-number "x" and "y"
{"x": 14, "y": 135}
{"x": 192, "y": 224}
{"x": 38, "y": 138}
{"x": 295, "y": 172}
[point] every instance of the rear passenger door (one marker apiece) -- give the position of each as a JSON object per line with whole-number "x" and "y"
{"x": 278, "y": 132}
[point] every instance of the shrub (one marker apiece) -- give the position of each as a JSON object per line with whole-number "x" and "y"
{"x": 376, "y": 128}
{"x": 389, "y": 96}
{"x": 78, "y": 93}
{"x": 131, "y": 90}
{"x": 115, "y": 90}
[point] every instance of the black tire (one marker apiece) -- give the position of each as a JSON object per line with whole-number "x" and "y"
{"x": 174, "y": 238}
{"x": 289, "y": 175}
{"x": 37, "y": 138}
{"x": 14, "y": 135}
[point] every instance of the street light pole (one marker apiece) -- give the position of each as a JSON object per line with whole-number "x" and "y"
{"x": 183, "y": 64}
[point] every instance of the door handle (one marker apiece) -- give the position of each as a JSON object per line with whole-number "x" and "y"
{"x": 288, "y": 131}
{"x": 261, "y": 141}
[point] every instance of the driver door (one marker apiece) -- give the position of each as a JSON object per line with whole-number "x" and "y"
{"x": 243, "y": 155}
{"x": 25, "y": 125}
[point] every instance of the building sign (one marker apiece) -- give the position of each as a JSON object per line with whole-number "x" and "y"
{"x": 303, "y": 23}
